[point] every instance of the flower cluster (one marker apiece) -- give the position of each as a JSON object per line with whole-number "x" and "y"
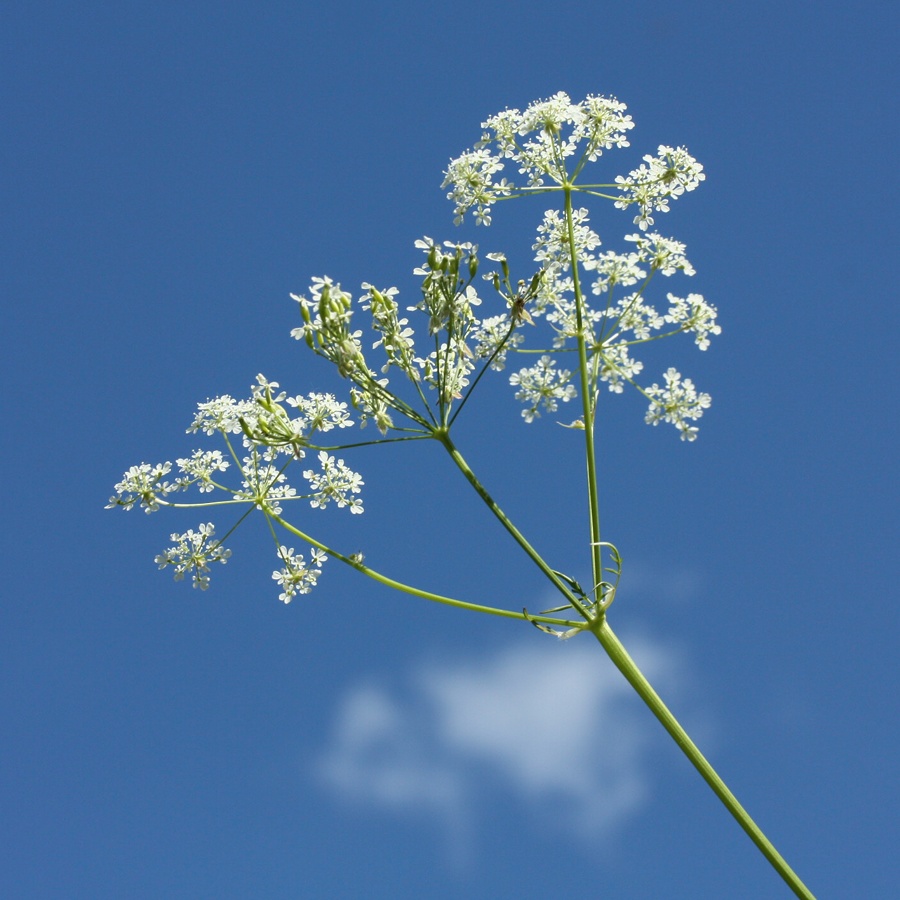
{"x": 661, "y": 254}
{"x": 542, "y": 385}
{"x": 550, "y": 142}
{"x": 295, "y": 576}
{"x": 540, "y": 140}
{"x": 397, "y": 337}
{"x": 494, "y": 338}
{"x": 471, "y": 176}
{"x": 458, "y": 336}
{"x": 554, "y": 246}
{"x": 553, "y": 140}
{"x": 617, "y": 367}
{"x": 696, "y": 315}
{"x": 200, "y": 468}
{"x": 264, "y": 485}
{"x": 327, "y": 329}
{"x": 675, "y": 403}
{"x": 335, "y": 482}
{"x": 222, "y": 414}
{"x": 668, "y": 175}
{"x": 144, "y": 483}
{"x": 193, "y": 552}
{"x": 612, "y": 328}
{"x": 269, "y": 433}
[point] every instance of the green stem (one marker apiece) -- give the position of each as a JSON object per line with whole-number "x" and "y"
{"x": 627, "y": 666}
{"x": 587, "y": 401}
{"x": 444, "y": 437}
{"x": 478, "y": 377}
{"x": 409, "y": 589}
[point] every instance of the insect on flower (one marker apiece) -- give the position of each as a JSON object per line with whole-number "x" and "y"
{"x": 518, "y": 312}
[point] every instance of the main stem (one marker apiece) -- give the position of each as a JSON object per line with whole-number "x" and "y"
{"x": 601, "y": 629}
{"x": 627, "y": 666}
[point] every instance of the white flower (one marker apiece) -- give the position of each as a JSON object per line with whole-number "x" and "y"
{"x": 296, "y": 577}
{"x": 194, "y": 551}
{"x": 542, "y": 385}
{"x": 447, "y": 369}
{"x": 561, "y": 312}
{"x": 543, "y": 154}
{"x": 696, "y": 315}
{"x": 266, "y": 390}
{"x": 669, "y": 174}
{"x": 264, "y": 484}
{"x": 664, "y": 254}
{"x": 201, "y": 467}
{"x": 618, "y": 367}
{"x": 552, "y": 244}
{"x": 492, "y": 333}
{"x": 636, "y": 316}
{"x": 550, "y": 291}
{"x": 223, "y": 414}
{"x": 144, "y": 483}
{"x": 397, "y": 337}
{"x": 548, "y": 116}
{"x": 604, "y": 121}
{"x": 449, "y": 307}
{"x": 548, "y": 132}
{"x": 543, "y": 138}
{"x": 335, "y": 482}
{"x": 326, "y": 328}
{"x": 470, "y": 178}
{"x": 320, "y": 412}
{"x": 615, "y": 268}
{"x": 370, "y": 404}
{"x": 675, "y": 403}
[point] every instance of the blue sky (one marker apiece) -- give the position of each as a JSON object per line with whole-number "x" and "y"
{"x": 171, "y": 172}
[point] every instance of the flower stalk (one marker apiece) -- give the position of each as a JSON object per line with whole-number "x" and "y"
{"x": 588, "y": 397}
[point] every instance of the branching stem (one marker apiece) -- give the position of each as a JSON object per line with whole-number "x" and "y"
{"x": 444, "y": 437}
{"x": 409, "y": 589}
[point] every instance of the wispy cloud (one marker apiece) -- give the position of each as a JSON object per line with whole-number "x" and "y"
{"x": 553, "y": 725}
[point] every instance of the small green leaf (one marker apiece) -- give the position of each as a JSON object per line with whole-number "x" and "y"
{"x": 571, "y": 582}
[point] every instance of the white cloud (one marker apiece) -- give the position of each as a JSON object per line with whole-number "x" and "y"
{"x": 380, "y": 753}
{"x": 553, "y": 725}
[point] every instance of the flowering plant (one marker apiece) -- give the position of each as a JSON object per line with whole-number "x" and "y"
{"x": 577, "y": 320}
